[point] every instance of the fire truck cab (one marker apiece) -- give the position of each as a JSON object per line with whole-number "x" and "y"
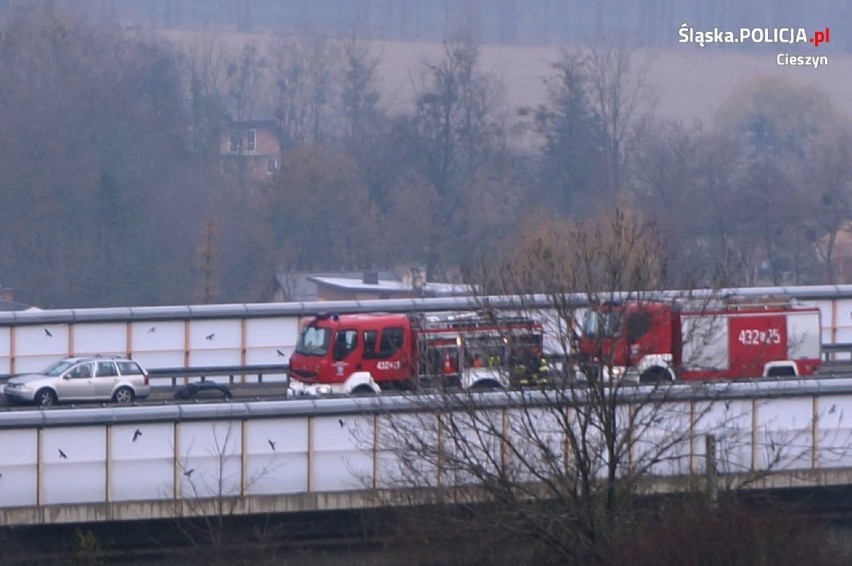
{"x": 367, "y": 353}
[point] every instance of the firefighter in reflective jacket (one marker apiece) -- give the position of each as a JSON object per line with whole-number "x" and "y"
{"x": 527, "y": 365}
{"x": 543, "y": 373}
{"x": 538, "y": 371}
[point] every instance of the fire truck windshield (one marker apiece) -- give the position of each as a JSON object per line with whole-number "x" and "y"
{"x": 601, "y": 324}
{"x": 313, "y": 341}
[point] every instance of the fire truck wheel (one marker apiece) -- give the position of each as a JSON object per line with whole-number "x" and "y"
{"x": 655, "y": 375}
{"x": 485, "y": 385}
{"x": 363, "y": 391}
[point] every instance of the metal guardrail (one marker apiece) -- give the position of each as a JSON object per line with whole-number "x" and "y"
{"x": 181, "y": 376}
{"x": 166, "y": 461}
{"x": 685, "y": 392}
{"x": 828, "y": 350}
{"x": 236, "y": 374}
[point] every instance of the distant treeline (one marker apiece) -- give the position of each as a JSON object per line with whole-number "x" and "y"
{"x": 651, "y": 23}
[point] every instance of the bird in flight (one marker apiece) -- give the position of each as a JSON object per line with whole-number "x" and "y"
{"x": 62, "y": 454}
{"x": 48, "y": 333}
{"x": 136, "y": 434}
{"x": 271, "y": 444}
{"x": 210, "y": 336}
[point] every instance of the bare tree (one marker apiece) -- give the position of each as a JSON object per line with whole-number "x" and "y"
{"x": 359, "y": 94}
{"x": 622, "y": 100}
{"x": 209, "y": 493}
{"x": 207, "y": 60}
{"x": 242, "y": 82}
{"x": 460, "y": 127}
{"x": 316, "y": 183}
{"x": 825, "y": 185}
{"x": 207, "y": 267}
{"x": 666, "y": 185}
{"x": 554, "y": 472}
{"x": 560, "y": 468}
{"x": 780, "y": 128}
{"x": 303, "y": 87}
{"x": 573, "y": 138}
{"x": 126, "y": 160}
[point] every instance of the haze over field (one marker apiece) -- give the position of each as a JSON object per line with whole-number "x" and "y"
{"x": 690, "y": 82}
{"x": 521, "y": 39}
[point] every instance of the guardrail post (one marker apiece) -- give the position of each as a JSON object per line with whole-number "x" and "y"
{"x": 710, "y": 468}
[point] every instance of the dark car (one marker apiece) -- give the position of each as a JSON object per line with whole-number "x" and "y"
{"x": 203, "y": 389}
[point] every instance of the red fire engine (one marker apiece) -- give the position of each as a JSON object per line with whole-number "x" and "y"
{"x": 655, "y": 341}
{"x": 366, "y": 353}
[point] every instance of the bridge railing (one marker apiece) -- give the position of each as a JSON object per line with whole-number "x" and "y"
{"x": 838, "y": 352}
{"x": 167, "y": 461}
{"x": 266, "y": 333}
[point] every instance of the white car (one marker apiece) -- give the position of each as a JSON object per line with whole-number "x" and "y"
{"x": 93, "y": 378}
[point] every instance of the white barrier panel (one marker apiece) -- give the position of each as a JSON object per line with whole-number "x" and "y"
{"x": 105, "y": 338}
{"x": 215, "y": 343}
{"x": 270, "y": 340}
{"x": 47, "y": 340}
{"x": 143, "y": 461}
{"x": 262, "y": 334}
{"x": 209, "y": 459}
{"x": 74, "y": 461}
{"x": 280, "y": 448}
{"x": 159, "y": 343}
{"x": 543, "y": 427}
{"x": 36, "y": 347}
{"x": 390, "y": 451}
{"x": 834, "y": 431}
{"x": 5, "y": 349}
{"x": 664, "y": 439}
{"x": 843, "y": 309}
{"x": 784, "y": 434}
{"x": 841, "y": 320}
{"x": 277, "y": 456}
{"x": 341, "y": 459}
{"x": 19, "y": 480}
{"x": 730, "y": 421}
{"x": 482, "y": 431}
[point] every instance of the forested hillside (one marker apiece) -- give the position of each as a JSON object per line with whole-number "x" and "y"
{"x": 112, "y": 192}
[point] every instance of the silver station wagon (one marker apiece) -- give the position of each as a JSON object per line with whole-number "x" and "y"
{"x": 93, "y": 378}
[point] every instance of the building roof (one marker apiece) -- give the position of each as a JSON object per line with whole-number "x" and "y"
{"x": 304, "y": 287}
{"x": 9, "y": 306}
{"x": 430, "y": 289}
{"x": 301, "y": 287}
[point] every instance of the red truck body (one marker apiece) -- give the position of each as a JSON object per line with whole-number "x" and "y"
{"x": 365, "y": 353}
{"x": 657, "y": 340}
